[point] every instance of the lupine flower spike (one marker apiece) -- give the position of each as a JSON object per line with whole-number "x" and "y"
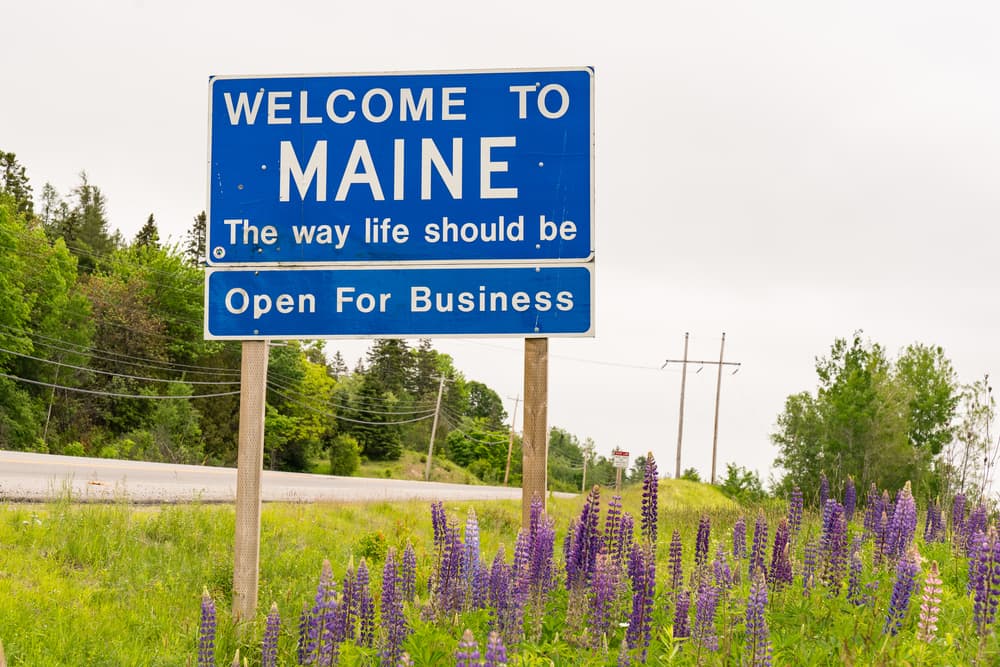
{"x": 795, "y": 512}
{"x": 930, "y": 605}
{"x": 758, "y": 646}
{"x": 467, "y": 654}
{"x": 269, "y": 646}
{"x": 650, "y": 490}
{"x": 906, "y": 574}
{"x": 850, "y": 499}
{"x": 206, "y": 633}
{"x": 496, "y": 652}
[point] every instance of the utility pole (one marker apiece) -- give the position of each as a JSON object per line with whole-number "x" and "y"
{"x": 510, "y": 443}
{"x": 680, "y": 421}
{"x": 718, "y": 390}
{"x": 430, "y": 447}
{"x": 680, "y": 424}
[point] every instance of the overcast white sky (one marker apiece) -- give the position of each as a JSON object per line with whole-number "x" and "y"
{"x": 786, "y": 172}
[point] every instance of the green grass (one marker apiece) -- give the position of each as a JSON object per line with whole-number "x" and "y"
{"x": 121, "y": 585}
{"x": 410, "y": 465}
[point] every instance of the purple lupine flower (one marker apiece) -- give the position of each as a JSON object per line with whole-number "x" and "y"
{"x": 850, "y": 499}
{"x": 470, "y": 559}
{"x": 854, "y": 580}
{"x": 704, "y": 617}
{"x": 740, "y": 538}
{"x": 405, "y": 660}
{"x": 496, "y": 652}
{"x": 873, "y": 510}
{"x": 394, "y": 628}
{"x": 269, "y": 645}
{"x": 906, "y": 574}
{"x": 759, "y": 548}
{"x": 650, "y": 491}
{"x": 206, "y": 631}
{"x": 903, "y": 524}
{"x": 449, "y": 585}
{"x": 720, "y": 567}
{"x": 958, "y": 516}
{"x": 834, "y": 547}
{"x": 758, "y": 639}
{"x": 932, "y": 525}
{"x": 540, "y": 567}
{"x": 507, "y": 616}
{"x": 887, "y": 504}
{"x": 624, "y": 657}
{"x": 682, "y": 627}
{"x": 366, "y": 604}
{"x": 481, "y": 587}
{"x": 409, "y": 573}
{"x": 320, "y": 622}
{"x": 701, "y": 541}
{"x": 930, "y": 605}
{"x": 521, "y": 566}
{"x": 780, "y": 573}
{"x": 604, "y": 589}
{"x": 824, "y": 489}
{"x": 585, "y": 543}
{"x": 349, "y": 601}
{"x": 642, "y": 568}
{"x": 986, "y": 594}
{"x": 795, "y": 511}
{"x": 977, "y": 542}
{"x": 439, "y": 522}
{"x": 809, "y": 566}
{"x": 467, "y": 654}
{"x": 536, "y": 511}
{"x": 626, "y": 530}
{"x": 612, "y": 522}
{"x": 880, "y": 549}
{"x": 976, "y": 521}
{"x": 303, "y": 651}
{"x": 675, "y": 568}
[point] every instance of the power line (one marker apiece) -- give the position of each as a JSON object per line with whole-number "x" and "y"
{"x": 115, "y": 394}
{"x": 121, "y": 375}
{"x": 346, "y": 419}
{"x": 89, "y": 351}
{"x": 348, "y": 407}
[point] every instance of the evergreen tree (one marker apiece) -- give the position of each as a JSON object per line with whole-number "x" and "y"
{"x": 194, "y": 240}
{"x": 148, "y": 236}
{"x": 390, "y": 365}
{"x": 380, "y": 439}
{"x": 337, "y": 366}
{"x": 14, "y": 182}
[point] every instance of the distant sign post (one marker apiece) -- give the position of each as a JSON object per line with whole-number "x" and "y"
{"x": 411, "y": 204}
{"x": 619, "y": 459}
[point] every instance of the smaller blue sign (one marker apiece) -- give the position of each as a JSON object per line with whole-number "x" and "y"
{"x": 404, "y": 302}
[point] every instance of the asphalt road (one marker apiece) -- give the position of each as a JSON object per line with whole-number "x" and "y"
{"x": 39, "y": 477}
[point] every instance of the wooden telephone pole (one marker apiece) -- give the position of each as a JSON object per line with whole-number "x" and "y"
{"x": 718, "y": 390}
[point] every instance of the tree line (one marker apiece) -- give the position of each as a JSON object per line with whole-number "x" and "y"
{"x": 102, "y": 353}
{"x": 885, "y": 421}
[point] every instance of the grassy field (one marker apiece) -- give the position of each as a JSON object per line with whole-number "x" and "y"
{"x": 121, "y": 585}
{"x": 410, "y": 465}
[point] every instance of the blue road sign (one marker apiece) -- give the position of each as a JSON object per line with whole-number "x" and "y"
{"x": 410, "y": 167}
{"x": 406, "y": 302}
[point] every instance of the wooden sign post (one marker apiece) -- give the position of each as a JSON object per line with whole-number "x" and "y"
{"x": 535, "y": 443}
